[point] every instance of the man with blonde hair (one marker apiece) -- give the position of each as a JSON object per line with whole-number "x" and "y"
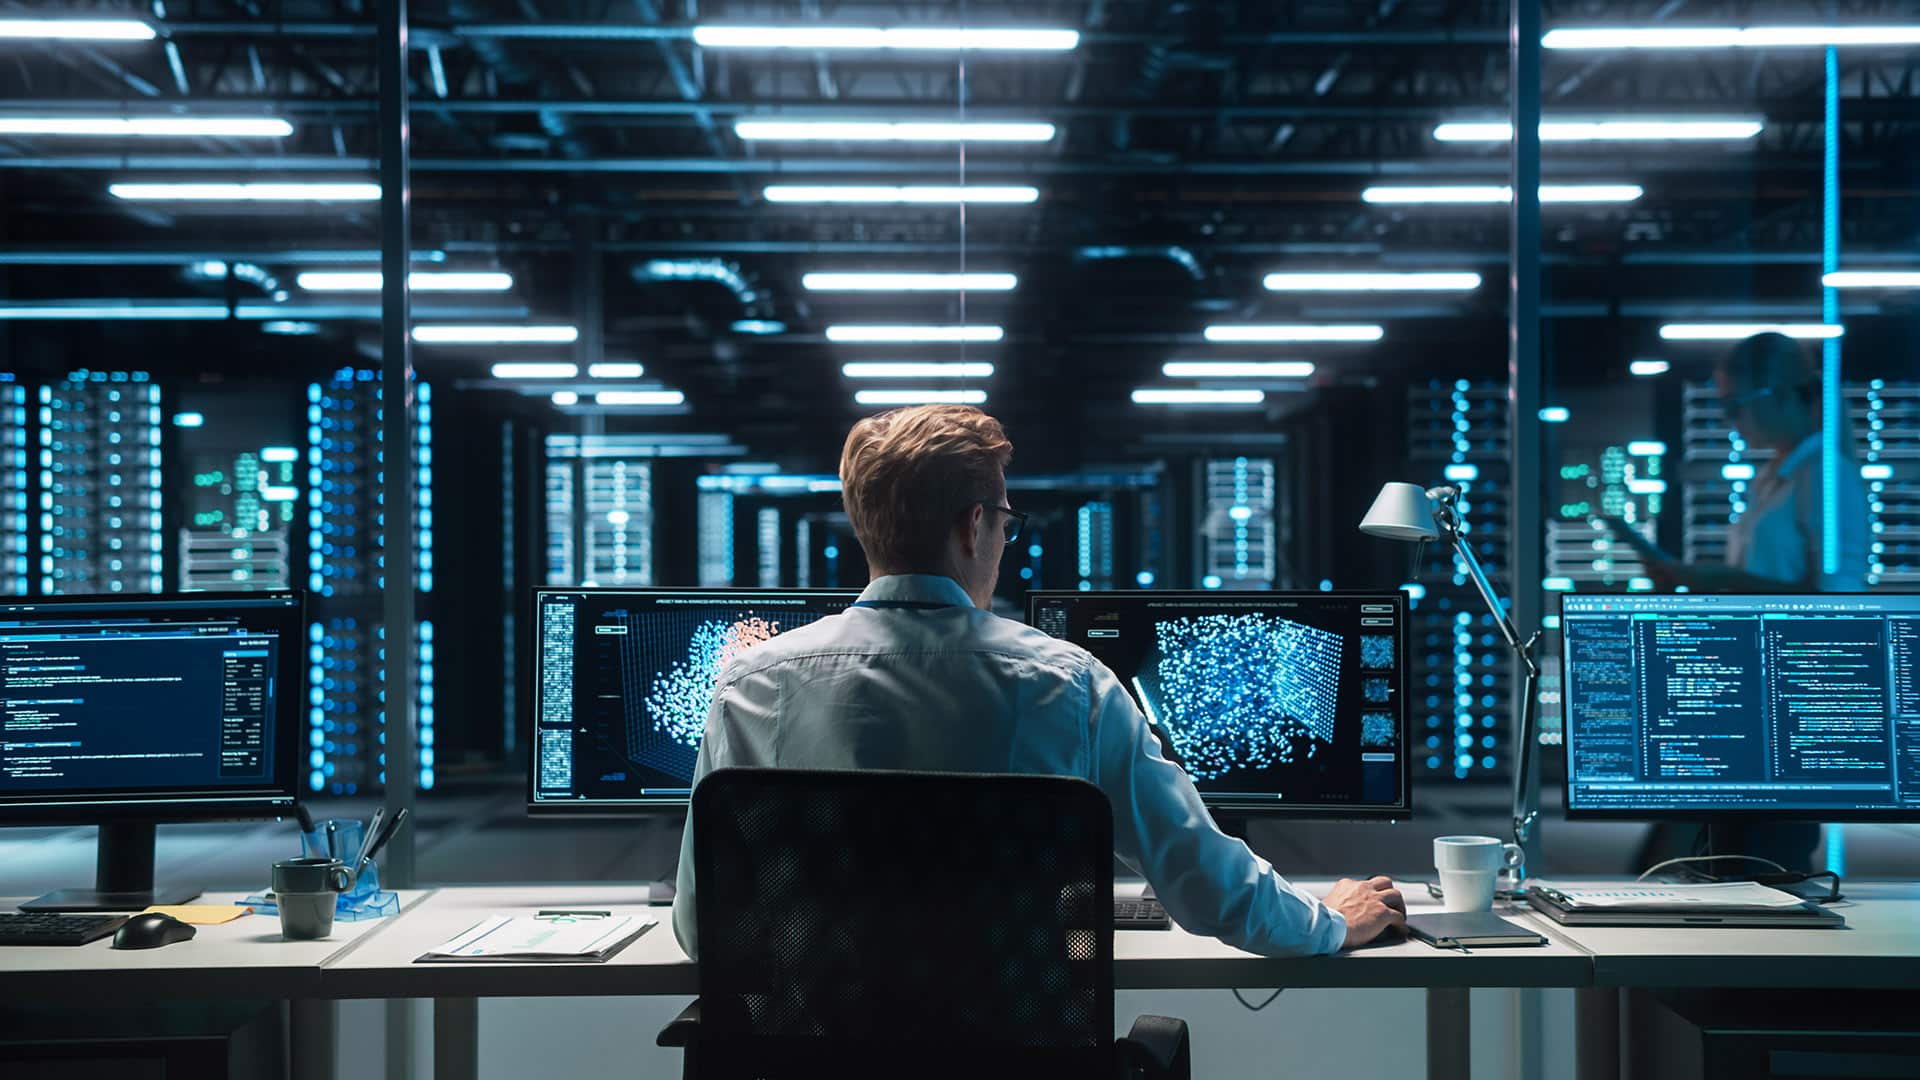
{"x": 920, "y": 675}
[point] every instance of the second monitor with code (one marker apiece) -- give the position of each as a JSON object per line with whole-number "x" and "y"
{"x": 1274, "y": 702}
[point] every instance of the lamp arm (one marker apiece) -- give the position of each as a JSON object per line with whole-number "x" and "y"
{"x": 1525, "y": 814}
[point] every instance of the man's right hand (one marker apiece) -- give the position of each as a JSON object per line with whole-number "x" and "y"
{"x": 1371, "y": 908}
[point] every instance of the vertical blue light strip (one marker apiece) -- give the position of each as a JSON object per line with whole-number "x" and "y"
{"x": 1836, "y": 836}
{"x": 1833, "y": 405}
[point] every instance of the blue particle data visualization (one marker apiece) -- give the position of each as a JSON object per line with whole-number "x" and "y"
{"x": 1378, "y": 731}
{"x": 1244, "y": 691}
{"x": 680, "y": 697}
{"x": 1376, "y": 651}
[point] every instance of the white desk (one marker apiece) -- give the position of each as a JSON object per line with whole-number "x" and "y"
{"x": 383, "y": 966}
{"x": 1879, "y": 949}
{"x": 245, "y": 958}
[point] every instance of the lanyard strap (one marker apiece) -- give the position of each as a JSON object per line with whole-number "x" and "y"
{"x": 903, "y": 605}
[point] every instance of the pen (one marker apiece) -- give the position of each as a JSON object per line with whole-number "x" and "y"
{"x": 549, "y": 913}
{"x": 367, "y": 838}
{"x": 386, "y": 833}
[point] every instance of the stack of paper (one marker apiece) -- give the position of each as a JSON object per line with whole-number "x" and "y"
{"x": 530, "y": 938}
{"x": 1723, "y": 896}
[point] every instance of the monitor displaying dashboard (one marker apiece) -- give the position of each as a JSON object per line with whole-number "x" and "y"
{"x": 622, "y": 680}
{"x": 156, "y": 708}
{"x": 1274, "y": 702}
{"x": 1776, "y": 706}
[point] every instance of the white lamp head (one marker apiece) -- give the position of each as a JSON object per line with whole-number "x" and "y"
{"x": 1401, "y": 512}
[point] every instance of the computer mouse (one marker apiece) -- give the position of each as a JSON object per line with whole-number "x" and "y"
{"x": 150, "y": 931}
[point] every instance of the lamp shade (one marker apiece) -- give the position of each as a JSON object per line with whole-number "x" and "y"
{"x": 1401, "y": 512}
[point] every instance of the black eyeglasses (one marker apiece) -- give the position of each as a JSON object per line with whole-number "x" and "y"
{"x": 1014, "y": 524}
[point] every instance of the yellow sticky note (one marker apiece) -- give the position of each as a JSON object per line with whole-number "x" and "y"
{"x": 203, "y": 914}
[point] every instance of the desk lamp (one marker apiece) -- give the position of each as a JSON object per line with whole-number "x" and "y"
{"x": 1410, "y": 513}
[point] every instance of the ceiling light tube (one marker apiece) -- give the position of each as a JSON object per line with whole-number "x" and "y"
{"x": 1287, "y": 332}
{"x": 1648, "y": 368}
{"x": 1155, "y": 396}
{"x": 640, "y": 397}
{"x": 75, "y": 30}
{"x": 418, "y": 281}
{"x": 910, "y": 335}
{"x": 1730, "y": 37}
{"x": 912, "y": 370}
{"x": 247, "y": 192}
{"x": 1237, "y": 369}
{"x": 1604, "y": 130}
{"x": 239, "y": 127}
{"x": 495, "y": 335}
{"x": 1872, "y": 279}
{"x": 565, "y": 398}
{"x": 920, "y": 397}
{"x": 535, "y": 370}
{"x": 1498, "y": 193}
{"x": 1425, "y": 281}
{"x": 1742, "y": 331}
{"x": 890, "y": 131}
{"x": 109, "y": 310}
{"x": 890, "y": 282}
{"x": 874, "y": 37}
{"x": 615, "y": 370}
{"x": 897, "y": 195}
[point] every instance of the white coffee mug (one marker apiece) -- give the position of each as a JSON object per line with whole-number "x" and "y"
{"x": 1470, "y": 868}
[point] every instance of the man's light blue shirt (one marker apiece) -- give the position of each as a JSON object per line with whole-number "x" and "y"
{"x": 926, "y": 681}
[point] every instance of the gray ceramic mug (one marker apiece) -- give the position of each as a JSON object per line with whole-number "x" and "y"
{"x": 305, "y": 890}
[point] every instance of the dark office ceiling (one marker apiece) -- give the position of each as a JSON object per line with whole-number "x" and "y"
{"x": 1200, "y": 146}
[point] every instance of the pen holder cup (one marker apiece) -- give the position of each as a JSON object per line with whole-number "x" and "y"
{"x": 364, "y": 892}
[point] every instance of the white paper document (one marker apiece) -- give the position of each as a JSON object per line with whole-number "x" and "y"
{"x": 534, "y": 938}
{"x": 1655, "y": 897}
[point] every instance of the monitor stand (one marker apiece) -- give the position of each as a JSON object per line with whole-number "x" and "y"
{"x": 1738, "y": 838}
{"x": 123, "y": 876}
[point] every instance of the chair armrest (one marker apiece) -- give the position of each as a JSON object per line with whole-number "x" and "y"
{"x": 682, "y": 1029}
{"x": 1158, "y": 1047}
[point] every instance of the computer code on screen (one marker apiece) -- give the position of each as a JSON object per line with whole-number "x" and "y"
{"x": 1266, "y": 699}
{"x": 1742, "y": 703}
{"x": 98, "y": 700}
{"x": 625, "y": 679}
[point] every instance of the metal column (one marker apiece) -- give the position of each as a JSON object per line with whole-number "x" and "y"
{"x": 1524, "y": 378}
{"x": 396, "y": 433}
{"x": 396, "y": 477}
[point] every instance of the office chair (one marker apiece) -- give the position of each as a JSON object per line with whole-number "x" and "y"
{"x": 857, "y": 924}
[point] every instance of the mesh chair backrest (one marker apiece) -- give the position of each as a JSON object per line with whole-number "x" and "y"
{"x": 905, "y": 909}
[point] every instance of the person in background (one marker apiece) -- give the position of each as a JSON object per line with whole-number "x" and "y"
{"x": 920, "y": 675}
{"x": 1770, "y": 389}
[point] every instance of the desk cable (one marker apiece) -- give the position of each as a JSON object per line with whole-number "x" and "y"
{"x": 1777, "y": 876}
{"x": 1251, "y": 1007}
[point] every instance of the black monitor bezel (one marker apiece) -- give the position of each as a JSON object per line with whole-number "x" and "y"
{"x": 1744, "y": 814}
{"x": 529, "y": 701}
{"x": 1260, "y": 808}
{"x": 172, "y": 806}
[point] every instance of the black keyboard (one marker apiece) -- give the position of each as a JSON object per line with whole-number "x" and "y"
{"x": 55, "y": 928}
{"x": 1140, "y": 914}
